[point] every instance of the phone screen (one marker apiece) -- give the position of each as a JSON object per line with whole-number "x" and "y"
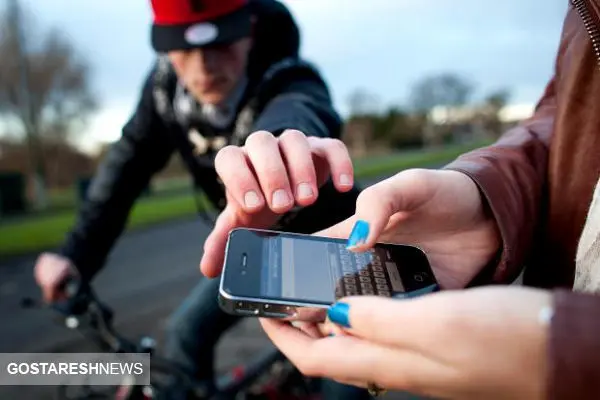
{"x": 317, "y": 270}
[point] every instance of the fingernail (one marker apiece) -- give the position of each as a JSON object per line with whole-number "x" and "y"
{"x": 251, "y": 199}
{"x": 345, "y": 180}
{"x": 338, "y": 314}
{"x": 359, "y": 234}
{"x": 280, "y": 198}
{"x": 305, "y": 191}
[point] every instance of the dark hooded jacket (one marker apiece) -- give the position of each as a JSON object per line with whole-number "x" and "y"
{"x": 282, "y": 91}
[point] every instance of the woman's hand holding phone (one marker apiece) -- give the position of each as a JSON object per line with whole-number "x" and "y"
{"x": 451, "y": 344}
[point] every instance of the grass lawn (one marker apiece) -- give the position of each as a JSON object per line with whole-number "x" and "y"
{"x": 33, "y": 234}
{"x": 43, "y": 232}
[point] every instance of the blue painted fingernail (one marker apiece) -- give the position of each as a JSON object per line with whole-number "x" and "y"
{"x": 359, "y": 234}
{"x": 338, "y": 314}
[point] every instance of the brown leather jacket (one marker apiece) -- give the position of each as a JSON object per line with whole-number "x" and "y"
{"x": 539, "y": 179}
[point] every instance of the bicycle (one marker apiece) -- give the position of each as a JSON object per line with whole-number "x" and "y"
{"x": 268, "y": 376}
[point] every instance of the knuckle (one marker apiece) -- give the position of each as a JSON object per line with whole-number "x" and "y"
{"x": 271, "y": 178}
{"x": 376, "y": 196}
{"x": 274, "y": 180}
{"x": 272, "y": 169}
{"x": 303, "y": 172}
{"x": 415, "y": 175}
{"x": 259, "y": 138}
{"x": 41, "y": 261}
{"x": 370, "y": 193}
{"x": 225, "y": 154}
{"x": 421, "y": 180}
{"x": 47, "y": 258}
{"x": 336, "y": 144}
{"x": 301, "y": 168}
{"x": 274, "y": 164}
{"x": 292, "y": 135}
{"x": 48, "y": 262}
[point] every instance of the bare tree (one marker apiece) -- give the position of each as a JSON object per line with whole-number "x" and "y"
{"x": 44, "y": 85}
{"x": 361, "y": 102}
{"x": 447, "y": 90}
{"x": 498, "y": 99}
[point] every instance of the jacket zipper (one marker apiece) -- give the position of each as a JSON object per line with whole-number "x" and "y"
{"x": 590, "y": 24}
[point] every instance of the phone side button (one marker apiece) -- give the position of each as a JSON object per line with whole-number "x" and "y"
{"x": 270, "y": 314}
{"x": 278, "y": 311}
{"x": 247, "y": 312}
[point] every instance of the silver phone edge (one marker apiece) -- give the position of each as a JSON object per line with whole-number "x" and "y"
{"x": 306, "y": 312}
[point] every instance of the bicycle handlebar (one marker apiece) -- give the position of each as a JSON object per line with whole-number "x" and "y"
{"x": 82, "y": 310}
{"x": 70, "y": 287}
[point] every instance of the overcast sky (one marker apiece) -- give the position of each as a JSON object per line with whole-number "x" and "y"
{"x": 380, "y": 45}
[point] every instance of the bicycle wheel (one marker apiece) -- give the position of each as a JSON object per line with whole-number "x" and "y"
{"x": 285, "y": 382}
{"x": 163, "y": 375}
{"x": 166, "y": 377}
{"x": 127, "y": 390}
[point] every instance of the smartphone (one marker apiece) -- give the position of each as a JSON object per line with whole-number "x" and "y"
{"x": 297, "y": 277}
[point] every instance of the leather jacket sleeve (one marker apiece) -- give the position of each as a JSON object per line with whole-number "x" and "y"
{"x": 124, "y": 173}
{"x": 511, "y": 174}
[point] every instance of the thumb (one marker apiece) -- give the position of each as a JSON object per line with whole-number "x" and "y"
{"x": 375, "y": 206}
{"x": 214, "y": 246}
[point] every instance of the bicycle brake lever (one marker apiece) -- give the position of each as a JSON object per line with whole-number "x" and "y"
{"x": 71, "y": 287}
{"x": 78, "y": 297}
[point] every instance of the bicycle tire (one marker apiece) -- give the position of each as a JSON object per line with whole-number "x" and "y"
{"x": 89, "y": 392}
{"x": 287, "y": 383}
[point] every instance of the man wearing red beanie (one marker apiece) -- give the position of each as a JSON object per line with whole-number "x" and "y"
{"x": 228, "y": 74}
